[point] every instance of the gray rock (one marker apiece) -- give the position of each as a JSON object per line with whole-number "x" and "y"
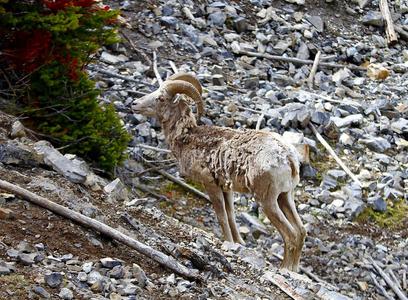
{"x": 256, "y": 226}
{"x": 93, "y": 277}
{"x": 17, "y": 130}
{"x": 183, "y": 286}
{"x": 170, "y": 22}
{"x": 16, "y": 153}
{"x": 316, "y": 21}
{"x": 12, "y": 253}
{"x": 240, "y": 24}
{"x": 109, "y": 262}
{"x": 39, "y": 290}
{"x": 4, "y": 269}
{"x": 217, "y": 18}
{"x": 218, "y": 79}
{"x": 303, "y": 52}
{"x": 281, "y": 47}
{"x": 400, "y": 126}
{"x": 130, "y": 289}
{"x": 140, "y": 275}
{"x": 113, "y": 59}
{"x": 171, "y": 279}
{"x": 374, "y": 18}
{"x": 347, "y": 121}
{"x": 53, "y": 280}
{"x": 320, "y": 117}
{"x": 377, "y": 144}
{"x": 87, "y": 267}
{"x": 144, "y": 129}
{"x": 26, "y": 259}
{"x": 66, "y": 294}
{"x": 61, "y": 164}
{"x": 116, "y": 191}
{"x": 337, "y": 174}
{"x": 117, "y": 272}
{"x": 354, "y": 206}
{"x": 377, "y": 203}
{"x": 379, "y": 41}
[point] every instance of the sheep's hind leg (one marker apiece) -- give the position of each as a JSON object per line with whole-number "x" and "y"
{"x": 287, "y": 204}
{"x": 287, "y": 231}
{"x": 217, "y": 198}
{"x": 229, "y": 204}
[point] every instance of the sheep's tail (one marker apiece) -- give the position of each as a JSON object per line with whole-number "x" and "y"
{"x": 294, "y": 166}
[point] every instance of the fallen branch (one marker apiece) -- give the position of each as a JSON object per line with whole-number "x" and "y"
{"x": 173, "y": 66}
{"x": 334, "y": 155}
{"x": 153, "y": 148}
{"x": 402, "y": 33}
{"x": 258, "y": 123}
{"x": 179, "y": 182}
{"x": 387, "y": 279}
{"x": 310, "y": 79}
{"x": 389, "y": 28}
{"x": 199, "y": 261}
{"x": 156, "y": 71}
{"x": 311, "y": 275}
{"x": 299, "y": 61}
{"x": 161, "y": 258}
{"x": 404, "y": 279}
{"x": 281, "y": 283}
{"x": 149, "y": 191}
{"x": 380, "y": 287}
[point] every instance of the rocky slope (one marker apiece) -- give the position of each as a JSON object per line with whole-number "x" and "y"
{"x": 363, "y": 114}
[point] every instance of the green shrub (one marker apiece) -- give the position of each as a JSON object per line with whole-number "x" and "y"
{"x": 48, "y": 43}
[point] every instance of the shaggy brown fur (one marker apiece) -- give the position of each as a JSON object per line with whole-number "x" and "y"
{"x": 226, "y": 160}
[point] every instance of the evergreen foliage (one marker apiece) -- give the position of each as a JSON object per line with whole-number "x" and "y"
{"x": 49, "y": 43}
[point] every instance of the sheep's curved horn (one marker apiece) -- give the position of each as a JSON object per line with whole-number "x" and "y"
{"x": 189, "y": 78}
{"x": 174, "y": 87}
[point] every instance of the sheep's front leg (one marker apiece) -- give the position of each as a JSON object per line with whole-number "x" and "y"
{"x": 217, "y": 198}
{"x": 229, "y": 203}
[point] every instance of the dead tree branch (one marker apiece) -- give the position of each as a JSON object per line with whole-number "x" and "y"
{"x": 161, "y": 258}
{"x": 389, "y": 28}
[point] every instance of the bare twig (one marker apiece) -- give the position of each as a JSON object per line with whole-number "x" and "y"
{"x": 387, "y": 279}
{"x": 180, "y": 182}
{"x": 63, "y": 211}
{"x": 394, "y": 278}
{"x": 310, "y": 79}
{"x": 156, "y": 71}
{"x": 334, "y": 155}
{"x": 113, "y": 74}
{"x": 173, "y": 66}
{"x": 299, "y": 61}
{"x": 258, "y": 123}
{"x": 404, "y": 279}
{"x": 380, "y": 287}
{"x": 153, "y": 148}
{"x": 389, "y": 28}
{"x": 137, "y": 50}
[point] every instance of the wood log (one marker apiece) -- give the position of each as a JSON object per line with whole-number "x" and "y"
{"x": 389, "y": 28}
{"x": 388, "y": 280}
{"x": 155, "y": 70}
{"x": 163, "y": 259}
{"x": 300, "y": 61}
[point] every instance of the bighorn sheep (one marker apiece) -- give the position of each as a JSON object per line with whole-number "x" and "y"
{"x": 226, "y": 160}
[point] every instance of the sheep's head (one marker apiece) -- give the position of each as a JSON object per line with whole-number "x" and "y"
{"x": 180, "y": 83}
